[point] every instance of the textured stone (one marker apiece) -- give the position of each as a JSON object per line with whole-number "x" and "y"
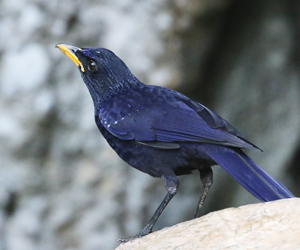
{"x": 271, "y": 225}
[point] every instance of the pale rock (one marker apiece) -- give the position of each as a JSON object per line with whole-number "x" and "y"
{"x": 263, "y": 226}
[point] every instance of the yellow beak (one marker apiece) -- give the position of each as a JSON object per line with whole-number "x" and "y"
{"x": 69, "y": 51}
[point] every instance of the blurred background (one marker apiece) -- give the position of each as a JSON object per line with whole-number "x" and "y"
{"x": 61, "y": 186}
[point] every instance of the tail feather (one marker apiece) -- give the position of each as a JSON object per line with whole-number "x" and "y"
{"x": 242, "y": 169}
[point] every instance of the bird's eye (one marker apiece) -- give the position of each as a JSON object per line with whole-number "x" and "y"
{"x": 92, "y": 66}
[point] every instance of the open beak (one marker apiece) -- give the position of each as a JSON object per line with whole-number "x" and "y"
{"x": 69, "y": 51}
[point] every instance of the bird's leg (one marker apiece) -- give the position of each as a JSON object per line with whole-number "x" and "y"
{"x": 172, "y": 185}
{"x": 206, "y": 177}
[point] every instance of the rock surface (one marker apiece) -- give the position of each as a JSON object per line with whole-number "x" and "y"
{"x": 264, "y": 226}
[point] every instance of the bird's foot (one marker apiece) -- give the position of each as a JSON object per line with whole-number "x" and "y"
{"x": 145, "y": 231}
{"x": 197, "y": 213}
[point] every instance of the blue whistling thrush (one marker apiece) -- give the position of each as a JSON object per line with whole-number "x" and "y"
{"x": 164, "y": 133}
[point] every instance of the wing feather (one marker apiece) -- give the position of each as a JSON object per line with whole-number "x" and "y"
{"x": 170, "y": 119}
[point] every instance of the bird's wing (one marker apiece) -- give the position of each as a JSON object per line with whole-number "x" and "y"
{"x": 179, "y": 120}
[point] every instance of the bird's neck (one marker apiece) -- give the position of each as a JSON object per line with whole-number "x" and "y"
{"x": 104, "y": 90}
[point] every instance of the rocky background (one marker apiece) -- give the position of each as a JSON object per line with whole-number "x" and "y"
{"x": 61, "y": 186}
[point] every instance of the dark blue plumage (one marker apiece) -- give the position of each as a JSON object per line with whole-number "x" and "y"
{"x": 165, "y": 134}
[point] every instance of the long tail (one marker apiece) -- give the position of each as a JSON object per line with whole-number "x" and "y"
{"x": 242, "y": 169}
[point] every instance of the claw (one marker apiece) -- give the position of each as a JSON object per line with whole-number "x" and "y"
{"x": 144, "y": 232}
{"x": 124, "y": 240}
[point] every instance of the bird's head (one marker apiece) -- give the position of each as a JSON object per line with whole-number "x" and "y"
{"x": 103, "y": 72}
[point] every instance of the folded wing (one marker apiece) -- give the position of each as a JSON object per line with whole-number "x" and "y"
{"x": 176, "y": 119}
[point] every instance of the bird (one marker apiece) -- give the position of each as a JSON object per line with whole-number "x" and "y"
{"x": 165, "y": 134}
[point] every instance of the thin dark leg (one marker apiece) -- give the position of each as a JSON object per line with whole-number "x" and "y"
{"x": 206, "y": 177}
{"x": 172, "y": 185}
